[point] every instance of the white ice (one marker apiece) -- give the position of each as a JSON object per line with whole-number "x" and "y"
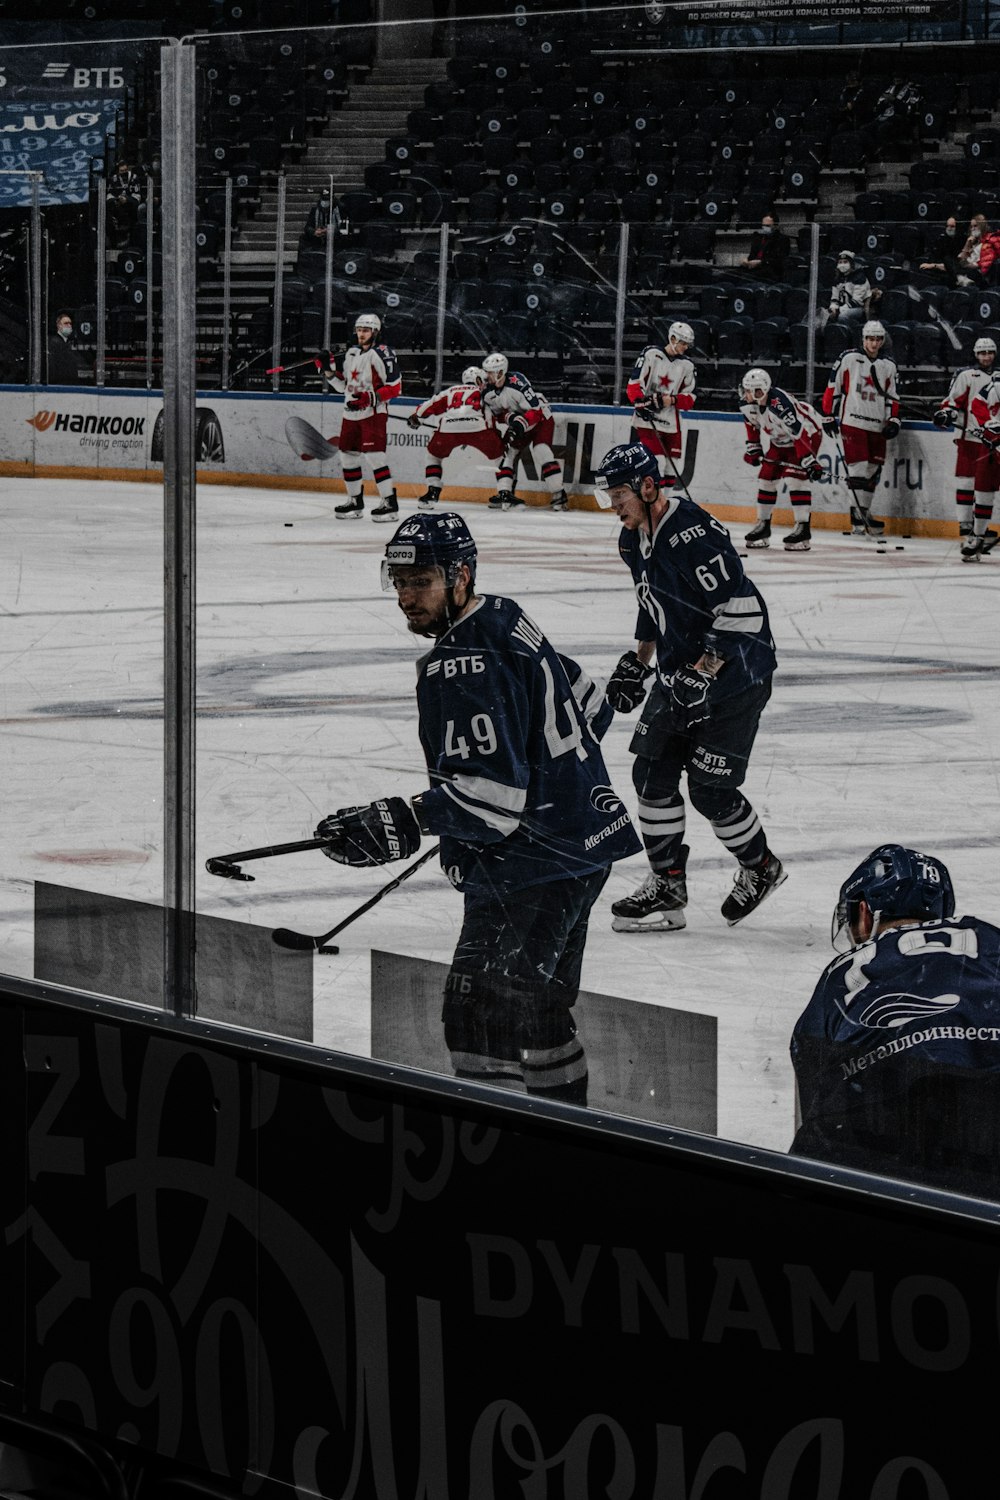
{"x": 881, "y": 727}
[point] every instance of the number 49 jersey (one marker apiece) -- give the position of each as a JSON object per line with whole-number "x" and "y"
{"x": 510, "y": 733}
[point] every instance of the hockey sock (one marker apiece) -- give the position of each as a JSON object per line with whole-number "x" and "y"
{"x": 552, "y": 475}
{"x": 432, "y": 474}
{"x": 801, "y": 504}
{"x": 661, "y": 825}
{"x": 963, "y": 506}
{"x": 765, "y": 502}
{"x": 382, "y": 475}
{"x": 354, "y": 480}
{"x": 982, "y": 513}
{"x": 741, "y": 832}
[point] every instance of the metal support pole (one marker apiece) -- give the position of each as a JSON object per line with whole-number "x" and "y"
{"x": 279, "y": 278}
{"x": 177, "y": 73}
{"x": 328, "y": 297}
{"x": 227, "y": 286}
{"x": 150, "y": 242}
{"x": 620, "y": 310}
{"x": 442, "y": 306}
{"x": 36, "y": 313}
{"x": 812, "y": 310}
{"x": 101, "y": 272}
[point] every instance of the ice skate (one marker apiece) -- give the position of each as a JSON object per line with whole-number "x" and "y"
{"x": 753, "y": 884}
{"x": 496, "y": 502}
{"x": 560, "y": 501}
{"x": 430, "y": 497}
{"x": 759, "y": 535}
{"x": 656, "y": 905}
{"x": 350, "y": 509}
{"x": 513, "y": 502}
{"x": 799, "y": 538}
{"x": 388, "y": 510}
{"x": 973, "y": 549}
{"x": 863, "y": 523}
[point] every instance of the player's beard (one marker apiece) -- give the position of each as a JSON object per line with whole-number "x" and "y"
{"x": 434, "y": 626}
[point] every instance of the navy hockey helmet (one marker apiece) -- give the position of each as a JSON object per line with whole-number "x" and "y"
{"x": 626, "y": 463}
{"x": 894, "y": 882}
{"x": 427, "y": 541}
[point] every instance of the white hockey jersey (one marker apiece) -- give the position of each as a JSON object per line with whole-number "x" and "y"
{"x": 984, "y": 409}
{"x": 516, "y": 396}
{"x": 372, "y": 373}
{"x": 862, "y": 392}
{"x": 784, "y": 423}
{"x": 965, "y": 385}
{"x": 656, "y": 373}
{"x": 459, "y": 408}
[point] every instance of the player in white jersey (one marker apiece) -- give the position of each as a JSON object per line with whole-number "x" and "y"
{"x": 510, "y": 399}
{"x": 461, "y": 423}
{"x": 954, "y": 412}
{"x": 984, "y": 429}
{"x": 660, "y": 388}
{"x": 783, "y": 438}
{"x": 369, "y": 378}
{"x": 860, "y": 403}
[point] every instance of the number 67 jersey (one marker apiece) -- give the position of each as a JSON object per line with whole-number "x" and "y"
{"x": 511, "y": 732}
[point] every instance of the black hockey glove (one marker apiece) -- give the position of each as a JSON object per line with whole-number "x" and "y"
{"x": 627, "y": 684}
{"x": 754, "y": 455}
{"x": 648, "y": 408}
{"x": 831, "y": 426}
{"x": 689, "y": 689}
{"x": 812, "y": 469}
{"x": 413, "y": 420}
{"x": 517, "y": 428}
{"x": 944, "y": 416}
{"x": 374, "y": 835}
{"x": 326, "y": 362}
{"x": 891, "y": 429}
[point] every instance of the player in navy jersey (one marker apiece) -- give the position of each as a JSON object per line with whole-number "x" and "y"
{"x": 897, "y": 1054}
{"x": 520, "y": 799}
{"x": 703, "y": 628}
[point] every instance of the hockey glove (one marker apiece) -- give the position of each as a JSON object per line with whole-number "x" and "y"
{"x": 517, "y": 428}
{"x": 944, "y": 416}
{"x": 831, "y": 426}
{"x": 812, "y": 469}
{"x": 689, "y": 688}
{"x": 360, "y": 401}
{"x": 627, "y": 684}
{"x": 413, "y": 420}
{"x": 326, "y": 362}
{"x": 990, "y": 436}
{"x": 754, "y": 455}
{"x": 374, "y": 835}
{"x": 891, "y": 429}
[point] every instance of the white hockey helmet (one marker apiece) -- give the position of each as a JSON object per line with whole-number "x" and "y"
{"x": 984, "y": 346}
{"x": 754, "y": 380}
{"x": 474, "y": 375}
{"x": 873, "y": 330}
{"x": 495, "y": 365}
{"x": 682, "y": 332}
{"x": 369, "y": 321}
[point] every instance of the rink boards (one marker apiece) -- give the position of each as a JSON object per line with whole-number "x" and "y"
{"x": 60, "y": 432}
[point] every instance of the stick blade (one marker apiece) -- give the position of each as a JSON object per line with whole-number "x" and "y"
{"x": 301, "y": 942}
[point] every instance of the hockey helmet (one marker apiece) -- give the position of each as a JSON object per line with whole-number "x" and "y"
{"x": 474, "y": 375}
{"x": 495, "y": 366}
{"x": 873, "y": 329}
{"x": 682, "y": 332}
{"x": 984, "y": 346}
{"x": 428, "y": 541}
{"x": 894, "y": 882}
{"x": 754, "y": 380}
{"x": 626, "y": 463}
{"x": 370, "y": 321}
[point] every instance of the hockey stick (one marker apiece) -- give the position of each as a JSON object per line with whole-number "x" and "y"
{"x": 279, "y": 369}
{"x": 226, "y": 864}
{"x": 303, "y": 942}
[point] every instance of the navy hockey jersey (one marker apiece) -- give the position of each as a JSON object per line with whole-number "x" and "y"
{"x": 693, "y": 593}
{"x": 891, "y": 1054}
{"x": 510, "y": 732}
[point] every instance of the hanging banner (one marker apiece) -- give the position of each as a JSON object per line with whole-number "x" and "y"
{"x": 56, "y": 137}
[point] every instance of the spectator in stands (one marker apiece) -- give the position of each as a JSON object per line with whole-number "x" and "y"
{"x": 943, "y": 253}
{"x": 978, "y": 257}
{"x": 769, "y": 250}
{"x": 852, "y": 297}
{"x": 125, "y": 187}
{"x": 323, "y": 220}
{"x": 65, "y": 364}
{"x": 853, "y": 106}
{"x": 895, "y": 111}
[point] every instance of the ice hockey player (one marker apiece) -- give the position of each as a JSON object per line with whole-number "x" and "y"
{"x": 897, "y": 1054}
{"x": 461, "y": 423}
{"x": 704, "y": 629}
{"x": 520, "y": 799}
{"x": 984, "y": 428}
{"x": 955, "y": 412}
{"x": 783, "y": 438}
{"x": 509, "y": 399}
{"x": 660, "y": 388}
{"x": 369, "y": 379}
{"x": 860, "y": 403}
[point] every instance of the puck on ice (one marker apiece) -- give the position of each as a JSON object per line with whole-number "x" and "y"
{"x": 289, "y": 523}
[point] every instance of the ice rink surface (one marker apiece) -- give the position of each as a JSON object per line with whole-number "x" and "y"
{"x": 881, "y": 728}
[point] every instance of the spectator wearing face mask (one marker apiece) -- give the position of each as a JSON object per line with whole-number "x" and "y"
{"x": 942, "y": 255}
{"x": 852, "y": 293}
{"x": 979, "y": 256}
{"x": 768, "y": 251}
{"x": 65, "y": 365}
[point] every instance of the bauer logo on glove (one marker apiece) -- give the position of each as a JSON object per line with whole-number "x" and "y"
{"x": 377, "y": 834}
{"x": 627, "y": 684}
{"x": 689, "y": 689}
